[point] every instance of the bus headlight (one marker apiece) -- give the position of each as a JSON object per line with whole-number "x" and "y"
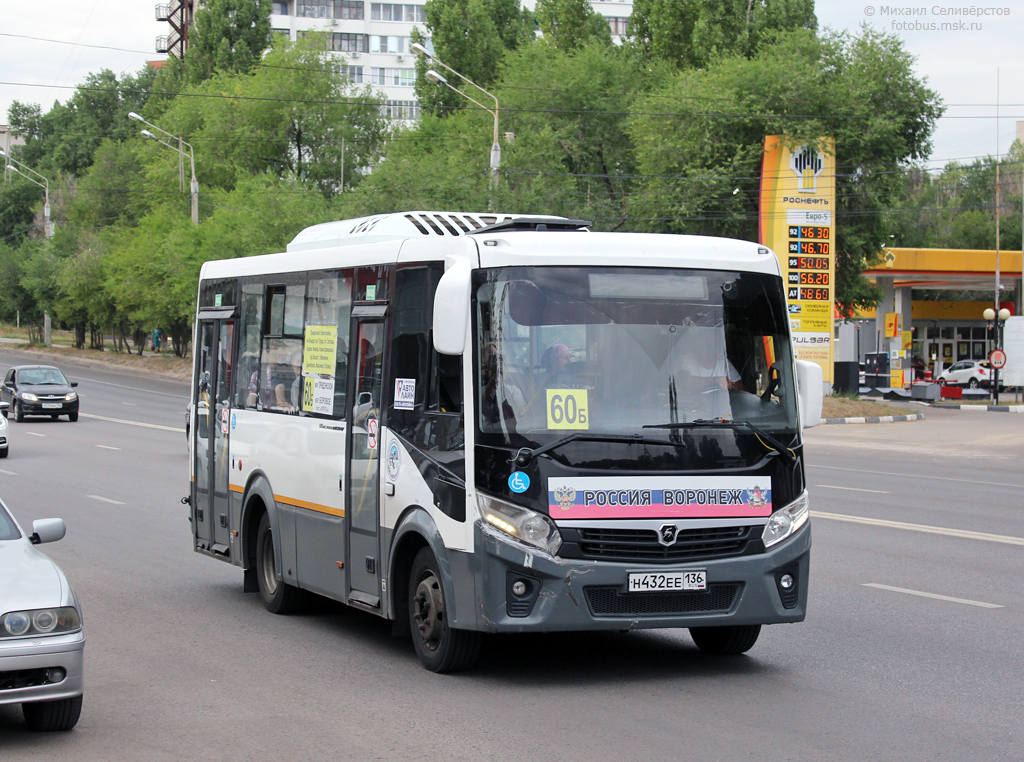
{"x": 785, "y": 521}
{"x": 525, "y": 525}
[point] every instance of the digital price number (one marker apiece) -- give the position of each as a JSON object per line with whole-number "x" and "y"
{"x": 809, "y": 247}
{"x": 814, "y": 279}
{"x": 814, "y": 294}
{"x": 806, "y": 231}
{"x": 808, "y": 263}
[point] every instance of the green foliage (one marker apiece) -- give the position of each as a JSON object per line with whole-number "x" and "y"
{"x": 228, "y": 37}
{"x": 699, "y": 139}
{"x": 470, "y": 36}
{"x": 692, "y": 34}
{"x": 568, "y": 24}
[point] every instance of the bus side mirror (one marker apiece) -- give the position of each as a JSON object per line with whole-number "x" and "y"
{"x": 810, "y": 392}
{"x": 451, "y": 309}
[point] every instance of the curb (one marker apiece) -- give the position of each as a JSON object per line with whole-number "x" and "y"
{"x": 983, "y": 408}
{"x": 876, "y": 419}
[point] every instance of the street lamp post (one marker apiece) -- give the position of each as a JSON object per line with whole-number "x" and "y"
{"x": 998, "y": 318}
{"x": 180, "y": 148}
{"x": 434, "y": 76}
{"x": 45, "y": 185}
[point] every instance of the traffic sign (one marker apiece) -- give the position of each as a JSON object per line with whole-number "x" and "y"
{"x": 371, "y": 433}
{"x": 997, "y": 358}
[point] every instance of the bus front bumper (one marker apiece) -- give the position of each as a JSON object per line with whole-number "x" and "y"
{"x": 572, "y": 594}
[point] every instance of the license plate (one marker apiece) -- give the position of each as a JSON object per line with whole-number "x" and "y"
{"x": 51, "y": 406}
{"x": 696, "y": 579}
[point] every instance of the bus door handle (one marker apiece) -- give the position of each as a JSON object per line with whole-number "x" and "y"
{"x": 389, "y": 489}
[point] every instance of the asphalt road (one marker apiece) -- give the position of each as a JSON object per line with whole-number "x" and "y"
{"x": 180, "y": 664}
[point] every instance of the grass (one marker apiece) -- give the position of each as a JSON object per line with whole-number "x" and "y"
{"x": 848, "y": 405}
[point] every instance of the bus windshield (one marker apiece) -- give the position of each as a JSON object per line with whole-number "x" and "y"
{"x": 614, "y": 350}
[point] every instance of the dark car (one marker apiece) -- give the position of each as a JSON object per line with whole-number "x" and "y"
{"x": 39, "y": 390}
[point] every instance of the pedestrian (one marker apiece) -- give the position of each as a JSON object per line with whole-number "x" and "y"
{"x": 156, "y": 340}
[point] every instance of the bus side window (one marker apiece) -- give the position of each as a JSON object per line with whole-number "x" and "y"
{"x": 249, "y": 323}
{"x": 328, "y": 313}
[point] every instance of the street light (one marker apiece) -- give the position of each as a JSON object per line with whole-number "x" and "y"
{"x": 180, "y": 148}
{"x": 999, "y": 318}
{"x": 434, "y": 76}
{"x": 45, "y": 185}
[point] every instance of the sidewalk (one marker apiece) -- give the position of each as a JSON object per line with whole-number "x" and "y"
{"x": 164, "y": 364}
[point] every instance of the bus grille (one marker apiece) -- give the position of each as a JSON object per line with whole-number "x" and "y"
{"x": 611, "y": 601}
{"x": 641, "y": 545}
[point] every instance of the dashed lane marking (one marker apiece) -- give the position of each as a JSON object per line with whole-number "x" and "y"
{"x": 962, "y": 533}
{"x": 35, "y": 434}
{"x": 9, "y": 473}
{"x": 852, "y": 489}
{"x": 936, "y": 596}
{"x": 108, "y": 447}
{"x": 133, "y": 423}
{"x": 105, "y": 499}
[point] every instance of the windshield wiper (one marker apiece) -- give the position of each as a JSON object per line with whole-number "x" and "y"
{"x": 525, "y": 454}
{"x": 717, "y": 423}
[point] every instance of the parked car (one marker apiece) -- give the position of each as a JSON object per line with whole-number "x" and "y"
{"x": 41, "y": 637}
{"x": 970, "y": 373}
{"x": 39, "y": 390}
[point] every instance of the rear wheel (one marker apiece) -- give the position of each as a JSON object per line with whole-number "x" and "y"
{"x": 71, "y": 417}
{"x": 725, "y": 641}
{"x": 61, "y": 714}
{"x": 440, "y": 648}
{"x": 19, "y": 414}
{"x": 278, "y": 596}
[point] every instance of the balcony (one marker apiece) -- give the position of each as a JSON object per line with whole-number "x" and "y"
{"x": 161, "y": 44}
{"x": 163, "y": 12}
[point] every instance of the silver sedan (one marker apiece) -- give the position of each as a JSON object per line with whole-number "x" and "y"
{"x": 41, "y": 638}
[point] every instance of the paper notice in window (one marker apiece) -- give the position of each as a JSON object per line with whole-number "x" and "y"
{"x": 318, "y": 394}
{"x": 320, "y": 349}
{"x": 405, "y": 393}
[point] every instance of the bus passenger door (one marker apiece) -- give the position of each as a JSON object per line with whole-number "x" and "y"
{"x": 362, "y": 508}
{"x": 210, "y": 432}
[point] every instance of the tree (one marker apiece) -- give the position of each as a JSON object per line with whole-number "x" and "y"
{"x": 470, "y": 36}
{"x": 699, "y": 139}
{"x": 568, "y": 24}
{"x": 692, "y": 34}
{"x": 227, "y": 36}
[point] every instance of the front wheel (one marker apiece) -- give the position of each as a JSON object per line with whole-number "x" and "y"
{"x": 440, "y": 648}
{"x": 973, "y": 383}
{"x": 3, "y": 452}
{"x": 19, "y": 414}
{"x": 45, "y": 716}
{"x": 278, "y": 596}
{"x": 71, "y": 417}
{"x": 725, "y": 641}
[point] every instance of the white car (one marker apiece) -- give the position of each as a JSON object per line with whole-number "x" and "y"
{"x": 41, "y": 637}
{"x": 970, "y": 373}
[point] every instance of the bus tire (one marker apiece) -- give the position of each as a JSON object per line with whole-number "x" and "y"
{"x": 46, "y": 716}
{"x": 278, "y": 596}
{"x": 725, "y": 641}
{"x": 440, "y": 648}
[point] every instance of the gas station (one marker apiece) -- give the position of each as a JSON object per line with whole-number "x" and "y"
{"x": 930, "y": 334}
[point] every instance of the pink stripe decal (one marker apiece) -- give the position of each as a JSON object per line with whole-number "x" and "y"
{"x": 656, "y": 498}
{"x": 659, "y": 511}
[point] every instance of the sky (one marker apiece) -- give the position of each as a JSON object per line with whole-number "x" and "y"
{"x": 961, "y": 65}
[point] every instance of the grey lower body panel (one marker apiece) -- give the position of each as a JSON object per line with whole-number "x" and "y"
{"x": 591, "y": 595}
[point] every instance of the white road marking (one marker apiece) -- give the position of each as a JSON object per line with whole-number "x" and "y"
{"x": 35, "y": 434}
{"x": 852, "y": 489}
{"x": 105, "y": 499}
{"x": 929, "y": 477}
{"x": 936, "y": 596}
{"x": 9, "y": 473}
{"x": 133, "y": 388}
{"x": 962, "y": 533}
{"x": 108, "y": 447}
{"x": 129, "y": 404}
{"x": 133, "y": 423}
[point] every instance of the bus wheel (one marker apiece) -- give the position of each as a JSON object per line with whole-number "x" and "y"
{"x": 725, "y": 641}
{"x": 440, "y": 648}
{"x": 279, "y": 597}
